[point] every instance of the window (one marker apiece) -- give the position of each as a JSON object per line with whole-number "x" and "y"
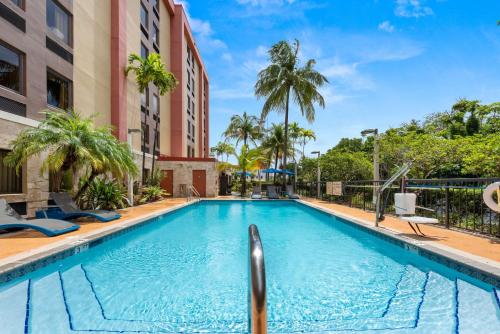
{"x": 10, "y": 182}
{"x": 145, "y": 100}
{"x": 11, "y": 69}
{"x": 18, "y": 3}
{"x": 144, "y": 17}
{"x": 188, "y": 151}
{"x": 194, "y": 133}
{"x": 155, "y": 105}
{"x": 188, "y": 55}
{"x": 156, "y": 35}
{"x": 58, "y": 21}
{"x": 144, "y": 51}
{"x": 58, "y": 91}
{"x": 189, "y": 104}
{"x": 155, "y": 4}
{"x": 145, "y": 132}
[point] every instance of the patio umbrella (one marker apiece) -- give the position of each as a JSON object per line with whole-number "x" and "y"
{"x": 246, "y": 174}
{"x": 287, "y": 172}
{"x": 271, "y": 171}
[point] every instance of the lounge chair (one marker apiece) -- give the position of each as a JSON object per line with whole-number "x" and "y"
{"x": 257, "y": 192}
{"x": 290, "y": 193}
{"x": 67, "y": 209}
{"x": 405, "y": 204}
{"x": 271, "y": 193}
{"x": 9, "y": 218}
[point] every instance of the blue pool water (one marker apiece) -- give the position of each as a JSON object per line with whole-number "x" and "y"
{"x": 187, "y": 272}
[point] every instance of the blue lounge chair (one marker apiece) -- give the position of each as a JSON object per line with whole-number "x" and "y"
{"x": 9, "y": 219}
{"x": 290, "y": 193}
{"x": 67, "y": 209}
{"x": 271, "y": 193}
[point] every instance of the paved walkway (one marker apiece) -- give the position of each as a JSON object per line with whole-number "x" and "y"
{"x": 477, "y": 245}
{"x": 24, "y": 241}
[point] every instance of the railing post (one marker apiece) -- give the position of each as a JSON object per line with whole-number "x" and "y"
{"x": 257, "y": 300}
{"x": 447, "y": 203}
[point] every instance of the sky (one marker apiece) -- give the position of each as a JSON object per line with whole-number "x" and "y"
{"x": 387, "y": 61}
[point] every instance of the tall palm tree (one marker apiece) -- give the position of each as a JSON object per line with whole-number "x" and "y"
{"x": 221, "y": 149}
{"x": 295, "y": 133}
{"x": 284, "y": 78}
{"x": 244, "y": 128}
{"x": 151, "y": 70}
{"x": 305, "y": 137}
{"x": 71, "y": 142}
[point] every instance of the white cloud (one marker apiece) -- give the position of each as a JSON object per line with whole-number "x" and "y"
{"x": 261, "y": 51}
{"x": 264, "y": 3}
{"x": 412, "y": 8}
{"x": 227, "y": 56}
{"x": 386, "y": 26}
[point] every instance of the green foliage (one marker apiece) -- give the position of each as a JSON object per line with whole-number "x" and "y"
{"x": 223, "y": 148}
{"x": 151, "y": 70}
{"x": 244, "y": 128}
{"x": 155, "y": 178}
{"x": 151, "y": 194}
{"x": 285, "y": 79}
{"x": 104, "y": 194}
{"x": 481, "y": 155}
{"x": 71, "y": 142}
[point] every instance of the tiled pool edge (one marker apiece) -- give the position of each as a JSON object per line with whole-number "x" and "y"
{"x": 67, "y": 247}
{"x": 466, "y": 265}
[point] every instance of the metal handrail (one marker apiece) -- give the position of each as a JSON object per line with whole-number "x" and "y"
{"x": 400, "y": 173}
{"x": 192, "y": 190}
{"x": 257, "y": 300}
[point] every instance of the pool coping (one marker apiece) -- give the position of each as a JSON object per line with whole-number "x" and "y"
{"x": 18, "y": 265}
{"x": 478, "y": 267}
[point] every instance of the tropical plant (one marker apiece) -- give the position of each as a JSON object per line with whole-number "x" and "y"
{"x": 152, "y": 193}
{"x": 151, "y": 70}
{"x": 155, "y": 177}
{"x": 247, "y": 161}
{"x": 221, "y": 149}
{"x": 283, "y": 79}
{"x": 104, "y": 194}
{"x": 274, "y": 144}
{"x": 244, "y": 128}
{"x": 306, "y": 136}
{"x": 72, "y": 142}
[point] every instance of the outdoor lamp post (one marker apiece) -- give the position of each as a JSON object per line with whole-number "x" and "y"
{"x": 318, "y": 185}
{"x": 130, "y": 189}
{"x": 376, "y": 163}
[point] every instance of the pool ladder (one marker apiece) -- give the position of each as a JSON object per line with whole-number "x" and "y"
{"x": 257, "y": 300}
{"x": 192, "y": 191}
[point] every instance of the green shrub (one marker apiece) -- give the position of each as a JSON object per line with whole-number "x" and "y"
{"x": 104, "y": 194}
{"x": 152, "y": 193}
{"x": 155, "y": 178}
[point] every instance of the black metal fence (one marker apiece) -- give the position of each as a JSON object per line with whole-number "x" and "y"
{"x": 456, "y": 202}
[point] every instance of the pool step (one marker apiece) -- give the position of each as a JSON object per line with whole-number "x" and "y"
{"x": 13, "y": 308}
{"x": 477, "y": 309}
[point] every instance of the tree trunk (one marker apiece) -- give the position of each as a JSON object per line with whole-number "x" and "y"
{"x": 285, "y": 144}
{"x": 276, "y": 163}
{"x": 244, "y": 183}
{"x": 85, "y": 186}
{"x": 143, "y": 157}
{"x": 154, "y": 143}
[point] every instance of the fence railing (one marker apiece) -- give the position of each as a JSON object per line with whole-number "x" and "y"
{"x": 456, "y": 202}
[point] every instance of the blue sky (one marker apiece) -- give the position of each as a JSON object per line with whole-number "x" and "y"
{"x": 387, "y": 61}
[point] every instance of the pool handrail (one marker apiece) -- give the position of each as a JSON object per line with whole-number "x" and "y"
{"x": 257, "y": 299}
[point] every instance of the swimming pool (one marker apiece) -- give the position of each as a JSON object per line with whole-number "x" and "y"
{"x": 186, "y": 272}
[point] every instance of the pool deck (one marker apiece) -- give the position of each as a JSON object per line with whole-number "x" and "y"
{"x": 20, "y": 248}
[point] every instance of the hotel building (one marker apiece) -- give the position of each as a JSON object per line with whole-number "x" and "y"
{"x": 60, "y": 54}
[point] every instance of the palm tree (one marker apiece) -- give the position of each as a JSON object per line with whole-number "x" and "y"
{"x": 222, "y": 149}
{"x": 151, "y": 70}
{"x": 305, "y": 137}
{"x": 295, "y": 133}
{"x": 244, "y": 128}
{"x": 248, "y": 160}
{"x": 284, "y": 79}
{"x": 274, "y": 144}
{"x": 71, "y": 142}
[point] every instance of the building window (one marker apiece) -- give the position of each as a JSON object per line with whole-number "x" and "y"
{"x": 11, "y": 68}
{"x": 145, "y": 132}
{"x": 145, "y": 100}
{"x": 18, "y": 3}
{"x": 156, "y": 35}
{"x": 188, "y": 55}
{"x": 58, "y": 91}
{"x": 155, "y": 104}
{"x": 155, "y": 4}
{"x": 58, "y": 21}
{"x": 144, "y": 17}
{"x": 10, "y": 182}
{"x": 144, "y": 51}
{"x": 189, "y": 104}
